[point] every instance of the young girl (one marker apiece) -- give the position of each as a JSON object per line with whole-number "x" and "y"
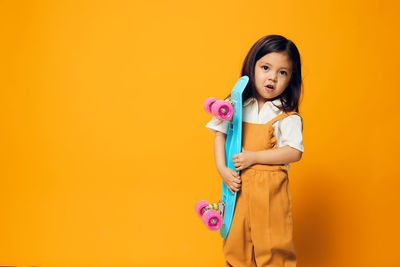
{"x": 262, "y": 226}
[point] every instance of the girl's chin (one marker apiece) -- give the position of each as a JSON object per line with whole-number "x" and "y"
{"x": 269, "y": 93}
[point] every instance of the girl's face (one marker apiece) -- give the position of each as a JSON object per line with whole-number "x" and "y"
{"x": 272, "y": 74}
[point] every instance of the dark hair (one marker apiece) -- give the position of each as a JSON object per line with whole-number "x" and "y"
{"x": 275, "y": 43}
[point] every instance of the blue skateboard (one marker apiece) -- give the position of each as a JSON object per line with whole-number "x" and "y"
{"x": 219, "y": 215}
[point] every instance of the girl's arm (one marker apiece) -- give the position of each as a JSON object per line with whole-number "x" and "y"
{"x": 280, "y": 155}
{"x": 229, "y": 176}
{"x": 219, "y": 150}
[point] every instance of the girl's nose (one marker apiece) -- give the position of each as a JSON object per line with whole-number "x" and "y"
{"x": 272, "y": 77}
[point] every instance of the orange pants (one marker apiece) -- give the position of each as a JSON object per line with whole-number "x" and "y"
{"x": 262, "y": 228}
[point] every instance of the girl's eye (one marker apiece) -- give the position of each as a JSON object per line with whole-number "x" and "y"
{"x": 266, "y": 68}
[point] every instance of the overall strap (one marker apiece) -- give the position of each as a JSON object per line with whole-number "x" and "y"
{"x": 281, "y": 116}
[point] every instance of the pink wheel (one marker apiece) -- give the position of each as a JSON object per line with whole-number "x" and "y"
{"x": 212, "y": 219}
{"x": 200, "y": 207}
{"x": 208, "y": 104}
{"x": 222, "y": 109}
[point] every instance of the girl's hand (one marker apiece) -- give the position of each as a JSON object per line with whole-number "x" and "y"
{"x": 244, "y": 159}
{"x": 231, "y": 179}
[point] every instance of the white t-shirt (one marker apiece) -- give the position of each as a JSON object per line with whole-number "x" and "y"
{"x": 288, "y": 131}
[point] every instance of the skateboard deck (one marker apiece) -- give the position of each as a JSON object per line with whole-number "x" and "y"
{"x": 233, "y": 145}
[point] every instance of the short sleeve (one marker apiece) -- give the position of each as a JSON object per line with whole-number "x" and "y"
{"x": 291, "y": 132}
{"x": 217, "y": 125}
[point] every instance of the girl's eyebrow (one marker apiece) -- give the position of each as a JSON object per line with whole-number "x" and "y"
{"x": 263, "y": 62}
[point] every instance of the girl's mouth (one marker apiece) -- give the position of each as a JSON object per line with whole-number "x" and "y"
{"x": 269, "y": 88}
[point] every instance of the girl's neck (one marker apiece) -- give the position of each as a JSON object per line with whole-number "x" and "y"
{"x": 261, "y": 101}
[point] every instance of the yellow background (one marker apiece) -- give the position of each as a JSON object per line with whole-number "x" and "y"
{"x": 103, "y": 138}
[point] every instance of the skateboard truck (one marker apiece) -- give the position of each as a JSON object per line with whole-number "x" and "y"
{"x": 222, "y": 109}
{"x": 212, "y": 215}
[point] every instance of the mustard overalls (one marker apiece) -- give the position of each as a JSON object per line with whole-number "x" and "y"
{"x": 262, "y": 228}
